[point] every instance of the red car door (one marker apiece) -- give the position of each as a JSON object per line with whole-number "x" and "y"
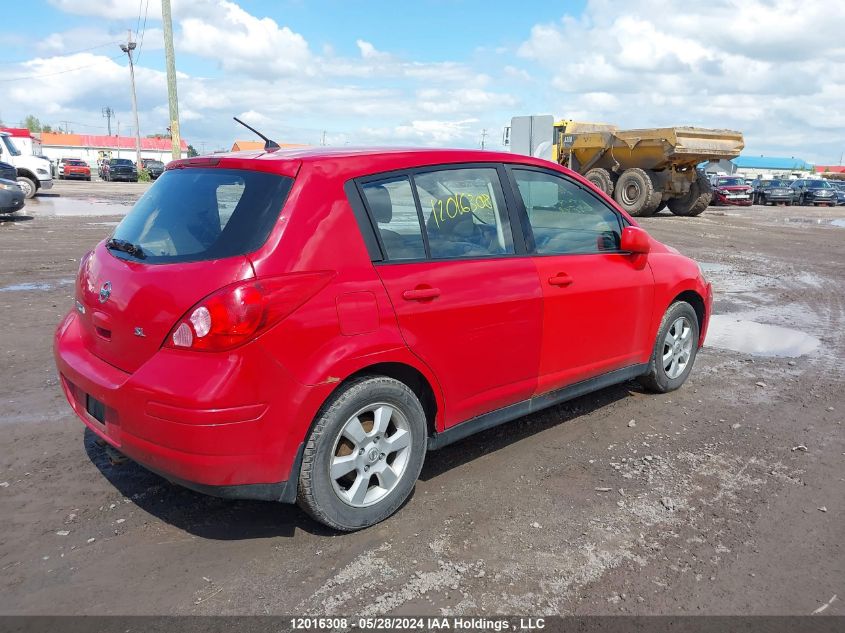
{"x": 467, "y": 305}
{"x": 597, "y": 301}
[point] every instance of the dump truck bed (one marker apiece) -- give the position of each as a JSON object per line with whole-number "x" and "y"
{"x": 654, "y": 149}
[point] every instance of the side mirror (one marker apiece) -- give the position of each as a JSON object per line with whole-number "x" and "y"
{"x": 635, "y": 240}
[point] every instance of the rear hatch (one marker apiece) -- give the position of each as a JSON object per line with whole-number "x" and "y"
{"x": 188, "y": 236}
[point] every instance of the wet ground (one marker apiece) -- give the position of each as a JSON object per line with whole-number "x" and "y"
{"x": 724, "y": 497}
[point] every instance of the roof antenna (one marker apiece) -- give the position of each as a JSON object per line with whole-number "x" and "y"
{"x": 269, "y": 144}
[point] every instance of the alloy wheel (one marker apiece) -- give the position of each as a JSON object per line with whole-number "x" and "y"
{"x": 677, "y": 347}
{"x": 370, "y": 455}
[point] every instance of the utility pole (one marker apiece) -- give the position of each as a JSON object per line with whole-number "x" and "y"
{"x": 108, "y": 113}
{"x": 128, "y": 48}
{"x": 170, "y": 62}
{"x": 323, "y": 139}
{"x": 483, "y": 138}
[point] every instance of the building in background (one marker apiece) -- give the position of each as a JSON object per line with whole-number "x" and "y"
{"x": 772, "y": 167}
{"x": 93, "y": 148}
{"x": 240, "y": 146}
{"x": 835, "y": 171}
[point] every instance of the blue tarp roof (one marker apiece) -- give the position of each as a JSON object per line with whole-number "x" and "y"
{"x": 772, "y": 162}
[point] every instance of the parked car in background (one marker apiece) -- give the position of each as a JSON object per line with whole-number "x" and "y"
{"x": 813, "y": 191}
{"x": 11, "y": 195}
{"x": 839, "y": 187}
{"x": 119, "y": 169}
{"x": 730, "y": 190}
{"x": 8, "y": 171}
{"x": 774, "y": 191}
{"x": 445, "y": 292}
{"x": 155, "y": 168}
{"x": 70, "y": 168}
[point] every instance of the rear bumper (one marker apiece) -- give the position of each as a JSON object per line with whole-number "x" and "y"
{"x": 226, "y": 425}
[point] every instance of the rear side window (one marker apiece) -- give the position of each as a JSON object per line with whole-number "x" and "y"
{"x": 198, "y": 214}
{"x": 392, "y": 206}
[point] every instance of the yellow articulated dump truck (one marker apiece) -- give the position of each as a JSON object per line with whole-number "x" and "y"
{"x": 644, "y": 170}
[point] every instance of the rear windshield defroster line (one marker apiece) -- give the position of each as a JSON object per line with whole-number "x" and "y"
{"x": 200, "y": 214}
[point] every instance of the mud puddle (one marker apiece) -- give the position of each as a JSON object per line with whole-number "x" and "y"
{"x": 758, "y": 339}
{"x": 41, "y": 285}
{"x": 76, "y": 207}
{"x": 839, "y": 222}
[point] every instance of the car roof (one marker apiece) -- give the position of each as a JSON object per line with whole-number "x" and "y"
{"x": 360, "y": 160}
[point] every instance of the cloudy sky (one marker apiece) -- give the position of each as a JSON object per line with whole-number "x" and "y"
{"x": 436, "y": 72}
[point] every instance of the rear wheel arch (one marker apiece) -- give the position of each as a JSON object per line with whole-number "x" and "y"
{"x": 412, "y": 377}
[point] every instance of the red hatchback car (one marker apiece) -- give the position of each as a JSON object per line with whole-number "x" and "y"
{"x": 304, "y": 325}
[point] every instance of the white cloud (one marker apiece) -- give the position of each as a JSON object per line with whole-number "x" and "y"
{"x": 242, "y": 42}
{"x": 761, "y": 67}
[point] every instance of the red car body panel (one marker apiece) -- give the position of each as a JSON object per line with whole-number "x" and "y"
{"x": 497, "y": 332}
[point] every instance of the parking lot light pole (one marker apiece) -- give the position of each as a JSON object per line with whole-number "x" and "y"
{"x": 128, "y": 48}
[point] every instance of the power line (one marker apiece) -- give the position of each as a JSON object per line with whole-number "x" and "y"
{"x": 81, "y": 50}
{"x": 143, "y": 30}
{"x": 61, "y": 72}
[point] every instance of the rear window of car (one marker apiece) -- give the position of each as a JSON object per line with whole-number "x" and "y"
{"x": 197, "y": 214}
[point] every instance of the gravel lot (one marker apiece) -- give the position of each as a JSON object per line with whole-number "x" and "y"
{"x": 725, "y": 497}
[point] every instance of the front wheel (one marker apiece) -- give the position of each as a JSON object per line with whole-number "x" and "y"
{"x": 364, "y": 454}
{"x": 674, "y": 351}
{"x": 28, "y": 186}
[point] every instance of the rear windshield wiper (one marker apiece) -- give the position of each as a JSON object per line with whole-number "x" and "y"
{"x": 126, "y": 247}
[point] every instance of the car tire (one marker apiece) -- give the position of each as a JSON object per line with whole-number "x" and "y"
{"x": 601, "y": 178}
{"x": 347, "y": 436}
{"x": 672, "y": 358}
{"x": 634, "y": 192}
{"x": 28, "y": 186}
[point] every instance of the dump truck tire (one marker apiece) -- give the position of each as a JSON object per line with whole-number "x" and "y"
{"x": 652, "y": 205}
{"x": 601, "y": 179}
{"x": 634, "y": 191}
{"x": 695, "y": 201}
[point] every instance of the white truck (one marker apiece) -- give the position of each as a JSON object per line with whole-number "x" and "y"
{"x": 33, "y": 172}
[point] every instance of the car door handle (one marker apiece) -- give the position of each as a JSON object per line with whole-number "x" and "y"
{"x": 561, "y": 279}
{"x": 421, "y": 294}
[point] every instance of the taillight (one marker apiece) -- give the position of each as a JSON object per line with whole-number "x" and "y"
{"x": 238, "y": 313}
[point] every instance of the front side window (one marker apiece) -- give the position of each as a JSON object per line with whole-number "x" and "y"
{"x": 564, "y": 218}
{"x": 10, "y": 146}
{"x": 392, "y": 207}
{"x": 464, "y": 213}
